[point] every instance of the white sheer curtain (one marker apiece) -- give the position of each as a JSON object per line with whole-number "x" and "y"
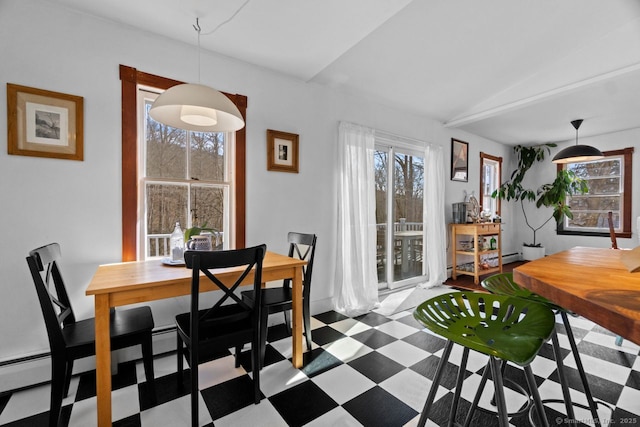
{"x": 356, "y": 282}
{"x": 433, "y": 213}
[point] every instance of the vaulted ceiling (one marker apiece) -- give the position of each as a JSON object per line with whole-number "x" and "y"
{"x": 511, "y": 71}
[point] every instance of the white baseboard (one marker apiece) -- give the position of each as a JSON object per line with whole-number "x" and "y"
{"x": 36, "y": 369}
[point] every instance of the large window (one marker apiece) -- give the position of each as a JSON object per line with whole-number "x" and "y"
{"x": 609, "y": 182}
{"x": 185, "y": 177}
{"x": 199, "y": 194}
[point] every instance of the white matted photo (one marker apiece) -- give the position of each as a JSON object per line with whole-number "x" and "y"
{"x": 282, "y": 151}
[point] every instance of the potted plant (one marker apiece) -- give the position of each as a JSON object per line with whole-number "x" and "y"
{"x": 552, "y": 194}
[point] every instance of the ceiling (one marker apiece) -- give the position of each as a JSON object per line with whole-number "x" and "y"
{"x": 516, "y": 72}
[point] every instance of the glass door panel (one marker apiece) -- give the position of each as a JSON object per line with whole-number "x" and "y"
{"x": 399, "y": 220}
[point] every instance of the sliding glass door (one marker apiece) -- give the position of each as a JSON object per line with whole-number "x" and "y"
{"x": 399, "y": 176}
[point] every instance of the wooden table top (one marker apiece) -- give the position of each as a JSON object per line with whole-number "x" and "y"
{"x": 123, "y": 276}
{"x": 591, "y": 282}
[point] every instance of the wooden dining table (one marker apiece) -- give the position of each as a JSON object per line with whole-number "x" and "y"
{"x": 591, "y": 282}
{"x": 134, "y": 282}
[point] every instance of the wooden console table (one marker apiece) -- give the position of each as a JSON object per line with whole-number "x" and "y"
{"x": 477, "y": 232}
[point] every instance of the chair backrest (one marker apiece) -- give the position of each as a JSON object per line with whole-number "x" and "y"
{"x": 612, "y": 231}
{"x": 307, "y": 253}
{"x": 250, "y": 259}
{"x": 55, "y": 304}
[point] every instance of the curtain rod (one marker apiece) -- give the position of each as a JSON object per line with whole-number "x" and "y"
{"x": 401, "y": 139}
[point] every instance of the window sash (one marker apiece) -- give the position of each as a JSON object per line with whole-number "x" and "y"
{"x": 593, "y": 215}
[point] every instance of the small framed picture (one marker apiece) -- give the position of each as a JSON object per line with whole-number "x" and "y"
{"x": 42, "y": 123}
{"x": 459, "y": 160}
{"x": 282, "y": 151}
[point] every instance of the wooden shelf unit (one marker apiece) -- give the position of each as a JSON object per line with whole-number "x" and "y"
{"x": 476, "y": 231}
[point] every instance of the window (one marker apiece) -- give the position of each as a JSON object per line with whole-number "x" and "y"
{"x": 184, "y": 177}
{"x": 490, "y": 179}
{"x": 609, "y": 181}
{"x": 131, "y": 80}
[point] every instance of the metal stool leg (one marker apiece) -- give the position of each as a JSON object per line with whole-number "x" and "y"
{"x": 460, "y": 379}
{"x": 434, "y": 385}
{"x": 533, "y": 389}
{"x": 561, "y": 374}
{"x": 476, "y": 399}
{"x": 501, "y": 402}
{"x": 583, "y": 376}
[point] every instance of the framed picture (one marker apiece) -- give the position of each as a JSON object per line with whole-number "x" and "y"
{"x": 459, "y": 160}
{"x": 282, "y": 151}
{"x": 42, "y": 123}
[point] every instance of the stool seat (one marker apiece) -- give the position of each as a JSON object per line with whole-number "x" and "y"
{"x": 502, "y": 327}
{"x": 508, "y": 328}
{"x": 503, "y": 284}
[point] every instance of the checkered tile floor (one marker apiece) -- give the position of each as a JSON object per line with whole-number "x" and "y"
{"x": 370, "y": 370}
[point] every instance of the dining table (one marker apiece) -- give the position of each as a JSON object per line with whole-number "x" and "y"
{"x": 134, "y": 282}
{"x": 594, "y": 283}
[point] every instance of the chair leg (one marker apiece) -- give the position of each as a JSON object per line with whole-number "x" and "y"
{"x": 180, "y": 359}
{"x": 287, "y": 321}
{"x": 238, "y": 351}
{"x": 59, "y": 372}
{"x": 434, "y": 385}
{"x": 147, "y": 360}
{"x": 264, "y": 320}
{"x": 583, "y": 376}
{"x": 257, "y": 360}
{"x": 194, "y": 385}
{"x": 67, "y": 378}
{"x": 306, "y": 316}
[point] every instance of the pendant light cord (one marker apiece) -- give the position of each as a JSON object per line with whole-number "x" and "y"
{"x": 198, "y": 30}
{"x": 228, "y": 20}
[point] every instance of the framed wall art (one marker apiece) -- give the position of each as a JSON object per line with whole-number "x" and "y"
{"x": 459, "y": 160}
{"x": 282, "y": 151}
{"x": 43, "y": 123}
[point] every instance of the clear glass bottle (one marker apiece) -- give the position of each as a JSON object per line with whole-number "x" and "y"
{"x": 176, "y": 244}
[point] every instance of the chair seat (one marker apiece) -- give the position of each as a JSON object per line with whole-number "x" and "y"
{"x": 272, "y": 297}
{"x": 511, "y": 329}
{"x": 228, "y": 318}
{"x": 126, "y": 327}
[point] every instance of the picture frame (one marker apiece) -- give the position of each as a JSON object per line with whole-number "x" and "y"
{"x": 43, "y": 123}
{"x": 459, "y": 160}
{"x": 282, "y": 151}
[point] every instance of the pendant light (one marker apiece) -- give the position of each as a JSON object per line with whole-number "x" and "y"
{"x": 196, "y": 107}
{"x": 577, "y": 153}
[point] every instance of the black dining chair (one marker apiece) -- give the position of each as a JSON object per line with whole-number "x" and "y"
{"x": 279, "y": 299}
{"x": 72, "y": 339}
{"x": 229, "y": 322}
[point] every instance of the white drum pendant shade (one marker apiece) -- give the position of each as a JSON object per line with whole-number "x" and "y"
{"x": 197, "y": 108}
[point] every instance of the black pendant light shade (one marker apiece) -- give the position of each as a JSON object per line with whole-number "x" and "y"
{"x": 577, "y": 153}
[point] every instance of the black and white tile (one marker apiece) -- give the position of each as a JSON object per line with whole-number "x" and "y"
{"x": 372, "y": 370}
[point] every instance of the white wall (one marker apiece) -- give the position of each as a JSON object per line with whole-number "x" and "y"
{"x": 78, "y": 204}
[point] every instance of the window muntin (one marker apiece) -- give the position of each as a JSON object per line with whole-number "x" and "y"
{"x": 187, "y": 178}
{"x": 609, "y": 182}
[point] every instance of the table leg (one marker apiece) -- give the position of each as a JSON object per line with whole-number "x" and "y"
{"x": 296, "y": 315}
{"x": 103, "y": 360}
